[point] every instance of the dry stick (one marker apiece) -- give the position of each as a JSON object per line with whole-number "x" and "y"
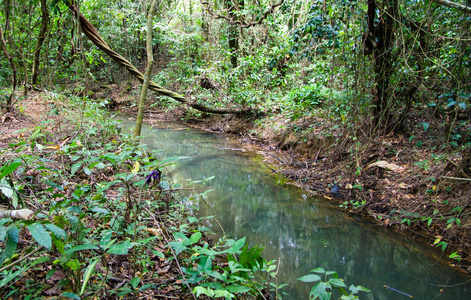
{"x": 456, "y": 178}
{"x": 19, "y": 260}
{"x": 173, "y": 251}
{"x": 91, "y": 32}
{"x": 317, "y": 155}
{"x": 276, "y": 157}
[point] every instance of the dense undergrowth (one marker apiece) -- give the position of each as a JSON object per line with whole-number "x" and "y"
{"x": 107, "y": 222}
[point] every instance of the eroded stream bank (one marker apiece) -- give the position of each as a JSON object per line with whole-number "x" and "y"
{"x": 304, "y": 232}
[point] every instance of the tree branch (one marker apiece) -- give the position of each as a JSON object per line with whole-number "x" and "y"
{"x": 240, "y": 23}
{"x": 459, "y": 6}
{"x": 91, "y": 32}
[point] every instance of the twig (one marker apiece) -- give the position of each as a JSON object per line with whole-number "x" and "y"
{"x": 317, "y": 155}
{"x": 240, "y": 23}
{"x": 19, "y": 260}
{"x": 456, "y": 178}
{"x": 275, "y": 157}
{"x": 273, "y": 170}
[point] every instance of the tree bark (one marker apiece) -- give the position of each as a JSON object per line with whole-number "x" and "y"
{"x": 381, "y": 38}
{"x": 233, "y": 41}
{"x": 9, "y": 104}
{"x": 39, "y": 42}
{"x": 150, "y": 62}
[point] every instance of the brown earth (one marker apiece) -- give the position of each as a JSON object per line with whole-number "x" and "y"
{"x": 389, "y": 180}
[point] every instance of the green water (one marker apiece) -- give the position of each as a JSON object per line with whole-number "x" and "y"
{"x": 304, "y": 232}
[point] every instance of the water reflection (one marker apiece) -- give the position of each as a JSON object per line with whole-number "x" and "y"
{"x": 304, "y": 232}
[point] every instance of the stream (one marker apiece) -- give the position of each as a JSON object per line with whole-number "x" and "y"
{"x": 304, "y": 232}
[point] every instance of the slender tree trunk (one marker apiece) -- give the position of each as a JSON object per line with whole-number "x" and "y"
{"x": 233, "y": 42}
{"x": 150, "y": 61}
{"x": 9, "y": 104}
{"x": 7, "y": 5}
{"x": 39, "y": 42}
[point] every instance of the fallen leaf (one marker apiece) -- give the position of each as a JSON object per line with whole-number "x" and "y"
{"x": 154, "y": 231}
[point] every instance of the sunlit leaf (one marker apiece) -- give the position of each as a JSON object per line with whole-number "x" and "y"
{"x": 135, "y": 168}
{"x": 195, "y": 237}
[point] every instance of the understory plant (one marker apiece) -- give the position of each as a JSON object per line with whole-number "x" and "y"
{"x": 327, "y": 282}
{"x": 103, "y": 221}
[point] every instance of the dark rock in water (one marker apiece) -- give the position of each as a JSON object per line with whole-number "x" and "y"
{"x": 335, "y": 191}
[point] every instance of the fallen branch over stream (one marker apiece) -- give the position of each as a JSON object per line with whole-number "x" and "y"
{"x": 91, "y": 32}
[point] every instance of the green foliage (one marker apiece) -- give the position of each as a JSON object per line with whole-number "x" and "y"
{"x": 83, "y": 229}
{"x": 325, "y": 287}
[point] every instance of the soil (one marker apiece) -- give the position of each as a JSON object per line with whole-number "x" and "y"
{"x": 394, "y": 181}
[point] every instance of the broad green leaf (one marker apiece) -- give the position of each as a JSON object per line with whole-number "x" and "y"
{"x": 71, "y": 296}
{"x": 40, "y": 234}
{"x": 88, "y": 273}
{"x": 178, "y": 247}
{"x": 40, "y": 261}
{"x": 318, "y": 270}
{"x": 192, "y": 219}
{"x": 195, "y": 237}
{"x": 135, "y": 282}
{"x": 234, "y": 288}
{"x": 120, "y": 249}
{"x": 309, "y": 278}
{"x": 86, "y": 171}
{"x": 10, "y": 168}
{"x": 105, "y": 238}
{"x": 75, "y": 167}
{"x": 5, "y": 187}
{"x": 337, "y": 282}
{"x": 237, "y": 245}
{"x": 58, "y": 232}
{"x": 100, "y": 210}
{"x": 11, "y": 244}
{"x": 158, "y": 253}
{"x": 199, "y": 290}
{"x": 80, "y": 248}
{"x": 59, "y": 245}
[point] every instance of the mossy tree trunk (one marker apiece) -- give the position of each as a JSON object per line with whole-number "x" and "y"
{"x": 150, "y": 62}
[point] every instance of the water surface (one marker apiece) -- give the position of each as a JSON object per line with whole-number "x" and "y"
{"x": 304, "y": 232}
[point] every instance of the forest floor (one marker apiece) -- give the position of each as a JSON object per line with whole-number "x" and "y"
{"x": 412, "y": 187}
{"x": 408, "y": 182}
{"x": 35, "y": 270}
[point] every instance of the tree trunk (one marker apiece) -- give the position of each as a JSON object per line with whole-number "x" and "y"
{"x": 381, "y": 39}
{"x": 39, "y": 42}
{"x": 233, "y": 42}
{"x": 150, "y": 61}
{"x": 9, "y": 104}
